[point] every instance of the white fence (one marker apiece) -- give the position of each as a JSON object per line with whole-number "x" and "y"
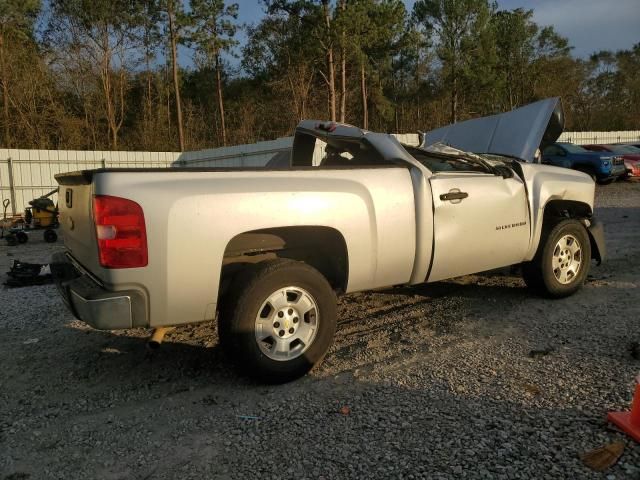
{"x": 27, "y": 174}
{"x": 585, "y": 138}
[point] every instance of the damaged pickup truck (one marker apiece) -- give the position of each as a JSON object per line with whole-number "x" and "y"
{"x": 266, "y": 251}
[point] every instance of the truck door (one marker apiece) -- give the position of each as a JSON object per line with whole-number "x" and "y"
{"x": 481, "y": 222}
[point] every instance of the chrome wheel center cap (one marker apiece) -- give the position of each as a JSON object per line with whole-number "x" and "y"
{"x": 286, "y": 322}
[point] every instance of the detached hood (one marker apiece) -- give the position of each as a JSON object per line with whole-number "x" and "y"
{"x": 518, "y": 133}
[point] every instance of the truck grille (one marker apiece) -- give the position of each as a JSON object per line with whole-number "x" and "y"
{"x": 618, "y": 161}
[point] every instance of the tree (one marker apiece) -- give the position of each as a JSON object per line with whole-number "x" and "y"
{"x": 374, "y": 29}
{"x": 150, "y": 39}
{"x": 280, "y": 55}
{"x": 628, "y": 63}
{"x": 113, "y": 73}
{"x": 317, "y": 19}
{"x": 174, "y": 12}
{"x": 457, "y": 26}
{"x": 102, "y": 31}
{"x": 213, "y": 32}
{"x": 383, "y": 43}
{"x": 16, "y": 26}
{"x": 343, "y": 61}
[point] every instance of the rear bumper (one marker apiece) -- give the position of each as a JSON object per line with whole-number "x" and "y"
{"x": 94, "y": 304}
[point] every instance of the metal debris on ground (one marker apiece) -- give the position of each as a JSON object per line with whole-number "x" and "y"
{"x": 543, "y": 352}
{"x": 24, "y": 274}
{"x": 603, "y": 458}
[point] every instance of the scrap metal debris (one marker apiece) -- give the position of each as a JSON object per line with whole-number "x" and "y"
{"x": 543, "y": 352}
{"x": 24, "y": 274}
{"x": 603, "y": 458}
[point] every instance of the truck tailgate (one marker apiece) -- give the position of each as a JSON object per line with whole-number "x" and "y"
{"x": 76, "y": 219}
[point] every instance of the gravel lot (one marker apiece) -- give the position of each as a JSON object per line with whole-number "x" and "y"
{"x": 448, "y": 380}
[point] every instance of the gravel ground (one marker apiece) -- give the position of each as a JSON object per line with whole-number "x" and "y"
{"x": 469, "y": 378}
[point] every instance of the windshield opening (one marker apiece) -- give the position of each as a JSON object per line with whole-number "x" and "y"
{"x": 446, "y": 163}
{"x": 623, "y": 149}
{"x": 572, "y": 148}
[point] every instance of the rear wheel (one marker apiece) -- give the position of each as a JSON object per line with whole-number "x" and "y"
{"x": 280, "y": 320}
{"x": 22, "y": 237}
{"x": 562, "y": 261}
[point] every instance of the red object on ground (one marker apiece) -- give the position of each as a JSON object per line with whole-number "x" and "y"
{"x": 629, "y": 422}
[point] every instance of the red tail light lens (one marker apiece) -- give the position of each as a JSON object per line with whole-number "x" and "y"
{"x": 121, "y": 232}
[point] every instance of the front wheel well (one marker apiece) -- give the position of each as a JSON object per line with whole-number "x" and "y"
{"x": 556, "y": 210}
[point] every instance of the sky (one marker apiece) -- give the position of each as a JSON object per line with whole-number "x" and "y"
{"x": 590, "y": 25}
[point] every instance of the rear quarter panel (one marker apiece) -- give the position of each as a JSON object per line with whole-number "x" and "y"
{"x": 191, "y": 217}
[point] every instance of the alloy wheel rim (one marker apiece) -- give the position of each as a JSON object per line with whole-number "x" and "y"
{"x": 286, "y": 323}
{"x": 567, "y": 259}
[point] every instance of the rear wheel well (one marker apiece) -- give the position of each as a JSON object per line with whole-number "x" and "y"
{"x": 323, "y": 248}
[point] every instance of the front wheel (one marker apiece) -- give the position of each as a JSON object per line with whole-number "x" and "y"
{"x": 280, "y": 321}
{"x": 562, "y": 261}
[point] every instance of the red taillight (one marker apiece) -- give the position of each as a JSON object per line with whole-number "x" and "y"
{"x": 121, "y": 233}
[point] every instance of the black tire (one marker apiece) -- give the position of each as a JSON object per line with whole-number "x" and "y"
{"x": 606, "y": 181}
{"x": 50, "y": 236}
{"x": 22, "y": 237}
{"x": 247, "y": 295}
{"x": 538, "y": 274}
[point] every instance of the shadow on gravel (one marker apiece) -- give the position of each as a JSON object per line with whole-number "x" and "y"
{"x": 96, "y": 362}
{"x": 471, "y": 286}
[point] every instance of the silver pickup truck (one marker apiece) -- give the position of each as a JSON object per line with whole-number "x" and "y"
{"x": 266, "y": 251}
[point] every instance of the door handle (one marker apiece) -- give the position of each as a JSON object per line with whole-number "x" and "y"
{"x": 453, "y": 196}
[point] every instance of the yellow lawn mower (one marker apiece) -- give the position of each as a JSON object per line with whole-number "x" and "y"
{"x": 42, "y": 214}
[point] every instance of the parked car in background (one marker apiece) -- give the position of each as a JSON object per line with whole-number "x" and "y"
{"x": 629, "y": 153}
{"x": 633, "y": 144}
{"x": 602, "y": 167}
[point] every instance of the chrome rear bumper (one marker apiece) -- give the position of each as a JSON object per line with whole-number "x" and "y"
{"x": 94, "y": 304}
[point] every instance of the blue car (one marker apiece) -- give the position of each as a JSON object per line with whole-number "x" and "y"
{"x": 603, "y": 167}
